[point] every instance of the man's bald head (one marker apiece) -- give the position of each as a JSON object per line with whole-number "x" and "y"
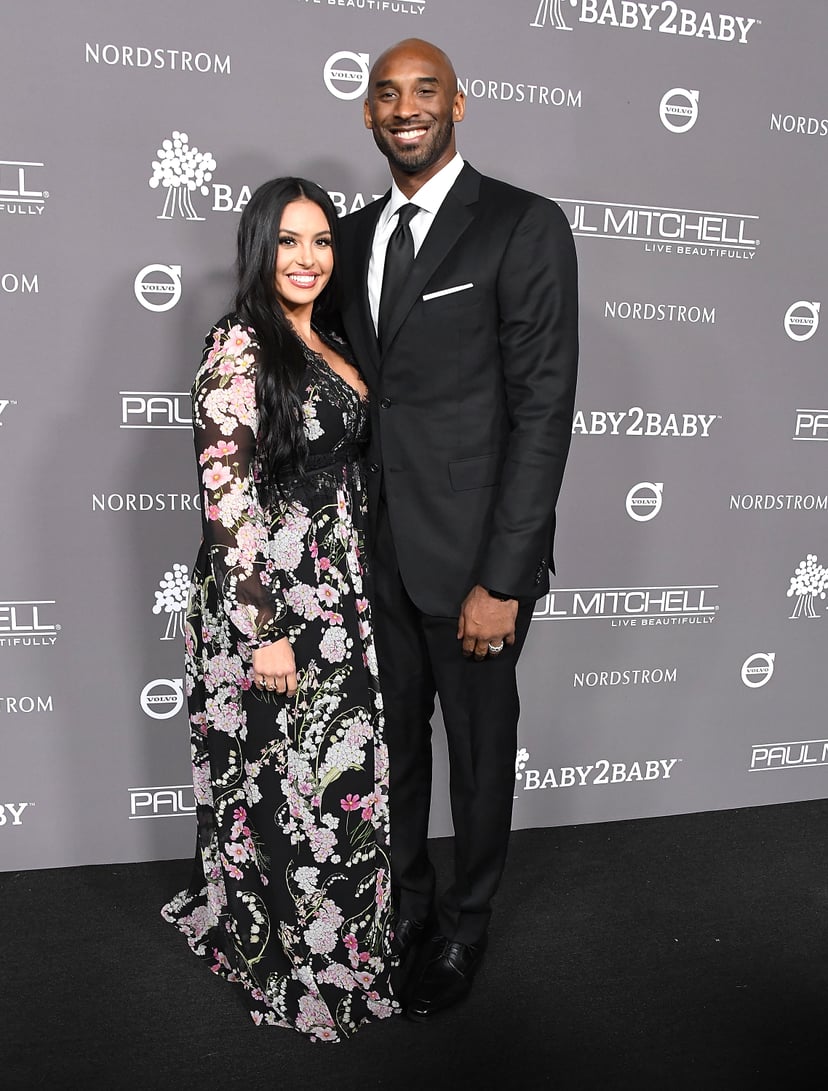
{"x": 416, "y": 48}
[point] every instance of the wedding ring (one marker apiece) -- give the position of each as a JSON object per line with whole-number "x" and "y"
{"x": 496, "y": 649}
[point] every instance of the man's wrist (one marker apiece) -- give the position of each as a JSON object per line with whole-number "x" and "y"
{"x": 499, "y": 595}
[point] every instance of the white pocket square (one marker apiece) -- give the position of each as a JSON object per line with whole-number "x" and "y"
{"x": 447, "y": 291}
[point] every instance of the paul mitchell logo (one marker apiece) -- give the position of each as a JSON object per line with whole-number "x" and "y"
{"x": 18, "y": 193}
{"x": 665, "y": 18}
{"x": 788, "y": 755}
{"x": 174, "y": 60}
{"x": 346, "y": 74}
{"x": 11, "y": 283}
{"x": 601, "y": 772}
{"x": 162, "y": 698}
{"x": 11, "y": 814}
{"x": 158, "y": 287}
{"x": 27, "y": 624}
{"x": 808, "y": 583}
{"x": 811, "y": 424}
{"x": 181, "y": 171}
{"x": 169, "y": 801}
{"x": 757, "y": 669}
{"x": 643, "y": 501}
{"x": 630, "y": 606}
{"x": 802, "y": 320}
{"x": 171, "y": 599}
{"x": 635, "y": 422}
{"x": 166, "y": 409}
{"x": 685, "y": 231}
{"x": 679, "y": 109}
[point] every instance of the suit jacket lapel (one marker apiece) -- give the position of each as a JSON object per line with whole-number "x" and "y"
{"x": 451, "y": 221}
{"x": 369, "y": 353}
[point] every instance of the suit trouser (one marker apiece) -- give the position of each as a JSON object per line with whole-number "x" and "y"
{"x": 420, "y": 656}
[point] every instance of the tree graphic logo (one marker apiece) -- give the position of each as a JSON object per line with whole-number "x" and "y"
{"x": 171, "y": 599}
{"x": 809, "y": 582}
{"x": 552, "y": 11}
{"x": 520, "y": 762}
{"x": 181, "y": 170}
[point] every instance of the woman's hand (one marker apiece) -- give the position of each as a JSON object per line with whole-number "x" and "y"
{"x": 274, "y": 667}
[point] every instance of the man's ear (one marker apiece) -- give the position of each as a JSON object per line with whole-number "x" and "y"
{"x": 366, "y": 115}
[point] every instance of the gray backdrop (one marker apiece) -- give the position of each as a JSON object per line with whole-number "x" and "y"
{"x": 677, "y": 665}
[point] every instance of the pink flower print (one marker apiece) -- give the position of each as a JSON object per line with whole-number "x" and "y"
{"x": 221, "y": 959}
{"x": 324, "y": 563}
{"x": 213, "y": 512}
{"x": 316, "y": 801}
{"x": 240, "y": 814}
{"x": 245, "y": 683}
{"x": 367, "y": 814}
{"x": 351, "y": 941}
{"x": 325, "y": 1034}
{"x": 363, "y": 956}
{"x": 236, "y": 851}
{"x": 236, "y": 341}
{"x": 225, "y": 447}
{"x": 257, "y": 1017}
{"x": 361, "y": 605}
{"x": 215, "y": 476}
{"x": 313, "y": 549}
{"x": 328, "y": 594}
{"x": 226, "y": 367}
{"x": 364, "y": 978}
{"x": 342, "y": 507}
{"x": 350, "y": 803}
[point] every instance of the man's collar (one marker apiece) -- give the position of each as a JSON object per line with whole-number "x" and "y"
{"x": 430, "y": 195}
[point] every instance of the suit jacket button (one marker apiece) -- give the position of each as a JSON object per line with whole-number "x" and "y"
{"x": 374, "y": 468}
{"x": 385, "y": 403}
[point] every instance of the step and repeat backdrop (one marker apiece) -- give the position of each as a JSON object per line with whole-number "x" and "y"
{"x": 679, "y": 662}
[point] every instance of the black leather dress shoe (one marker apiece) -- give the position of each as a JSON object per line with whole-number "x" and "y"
{"x": 408, "y": 935}
{"x": 446, "y": 977}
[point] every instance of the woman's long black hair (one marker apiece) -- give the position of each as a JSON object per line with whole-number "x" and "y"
{"x": 281, "y": 444}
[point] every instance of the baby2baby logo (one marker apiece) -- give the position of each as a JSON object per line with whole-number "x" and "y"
{"x": 664, "y": 18}
{"x": 600, "y": 773}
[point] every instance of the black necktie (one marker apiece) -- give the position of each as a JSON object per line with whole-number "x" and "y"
{"x": 399, "y": 257}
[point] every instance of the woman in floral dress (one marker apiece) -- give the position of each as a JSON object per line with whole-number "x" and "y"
{"x": 290, "y": 895}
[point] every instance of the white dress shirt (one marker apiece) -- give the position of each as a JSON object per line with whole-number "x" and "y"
{"x": 428, "y": 199}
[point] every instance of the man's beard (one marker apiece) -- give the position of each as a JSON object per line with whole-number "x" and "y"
{"x": 417, "y": 159}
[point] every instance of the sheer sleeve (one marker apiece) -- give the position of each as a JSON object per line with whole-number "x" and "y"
{"x": 236, "y": 531}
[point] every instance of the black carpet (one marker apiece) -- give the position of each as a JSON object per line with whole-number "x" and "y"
{"x": 683, "y": 952}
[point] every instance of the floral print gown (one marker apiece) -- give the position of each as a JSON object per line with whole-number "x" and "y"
{"x": 290, "y": 895}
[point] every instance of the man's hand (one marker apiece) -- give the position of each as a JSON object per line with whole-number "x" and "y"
{"x": 484, "y": 620}
{"x": 274, "y": 667}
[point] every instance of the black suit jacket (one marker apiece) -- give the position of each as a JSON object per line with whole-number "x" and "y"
{"x": 472, "y": 397}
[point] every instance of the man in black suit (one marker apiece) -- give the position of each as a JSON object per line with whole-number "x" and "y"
{"x": 461, "y": 308}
